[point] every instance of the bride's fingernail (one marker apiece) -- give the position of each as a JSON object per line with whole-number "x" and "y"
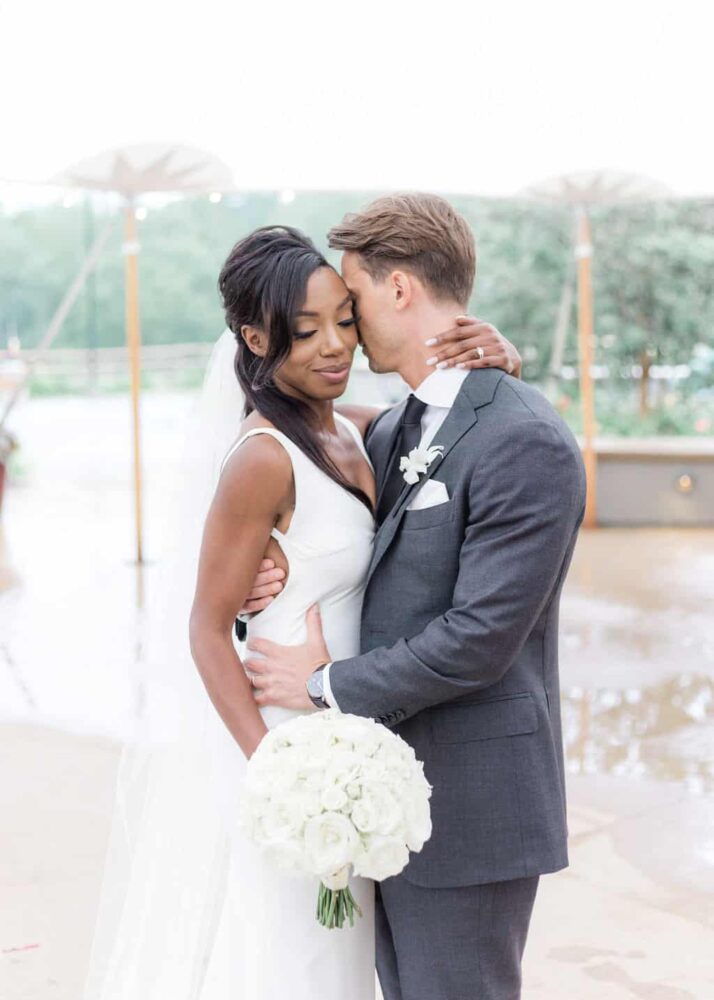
{"x": 443, "y": 364}
{"x": 461, "y": 365}
{"x": 432, "y": 361}
{"x": 430, "y": 343}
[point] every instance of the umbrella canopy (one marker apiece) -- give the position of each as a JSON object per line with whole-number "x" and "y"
{"x": 131, "y": 171}
{"x": 149, "y": 167}
{"x": 597, "y": 187}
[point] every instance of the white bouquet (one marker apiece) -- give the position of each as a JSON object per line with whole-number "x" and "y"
{"x": 329, "y": 791}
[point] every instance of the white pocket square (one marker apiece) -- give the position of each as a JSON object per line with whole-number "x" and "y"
{"x": 431, "y": 493}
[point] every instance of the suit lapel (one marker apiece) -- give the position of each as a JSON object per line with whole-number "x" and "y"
{"x": 478, "y": 390}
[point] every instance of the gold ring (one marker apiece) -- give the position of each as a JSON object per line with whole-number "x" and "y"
{"x": 481, "y": 353}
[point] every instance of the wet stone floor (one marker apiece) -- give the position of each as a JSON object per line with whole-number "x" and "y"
{"x": 633, "y": 916}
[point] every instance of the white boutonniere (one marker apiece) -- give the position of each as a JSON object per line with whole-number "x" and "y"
{"x": 418, "y": 461}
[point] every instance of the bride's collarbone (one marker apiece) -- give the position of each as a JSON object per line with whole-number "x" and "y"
{"x": 349, "y": 459}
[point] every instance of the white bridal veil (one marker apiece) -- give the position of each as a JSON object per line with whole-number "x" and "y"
{"x": 168, "y": 851}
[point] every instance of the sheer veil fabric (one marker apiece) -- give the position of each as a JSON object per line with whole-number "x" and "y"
{"x": 168, "y": 856}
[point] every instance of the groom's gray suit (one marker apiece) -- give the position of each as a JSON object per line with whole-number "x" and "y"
{"x": 460, "y": 656}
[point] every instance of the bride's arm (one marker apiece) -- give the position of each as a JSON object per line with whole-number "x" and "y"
{"x": 255, "y": 488}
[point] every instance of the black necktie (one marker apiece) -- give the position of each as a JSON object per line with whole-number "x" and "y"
{"x": 408, "y": 438}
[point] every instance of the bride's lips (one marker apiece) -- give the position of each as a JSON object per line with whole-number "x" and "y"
{"x": 335, "y": 373}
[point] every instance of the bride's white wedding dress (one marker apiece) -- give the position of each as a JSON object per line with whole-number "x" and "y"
{"x": 268, "y": 944}
{"x": 189, "y": 910}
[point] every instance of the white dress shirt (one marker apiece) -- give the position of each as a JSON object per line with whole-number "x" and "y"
{"x": 438, "y": 391}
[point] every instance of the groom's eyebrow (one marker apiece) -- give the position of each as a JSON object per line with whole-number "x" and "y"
{"x": 306, "y": 312}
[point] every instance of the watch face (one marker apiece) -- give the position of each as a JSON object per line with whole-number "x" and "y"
{"x": 315, "y": 685}
{"x": 315, "y": 689}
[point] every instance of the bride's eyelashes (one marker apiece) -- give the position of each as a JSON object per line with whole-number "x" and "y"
{"x": 345, "y": 323}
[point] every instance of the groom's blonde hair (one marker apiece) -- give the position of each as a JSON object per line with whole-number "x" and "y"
{"x": 421, "y": 233}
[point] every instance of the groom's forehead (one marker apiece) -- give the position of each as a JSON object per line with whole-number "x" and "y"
{"x": 351, "y": 271}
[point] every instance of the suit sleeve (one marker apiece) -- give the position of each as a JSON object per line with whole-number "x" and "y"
{"x": 526, "y": 501}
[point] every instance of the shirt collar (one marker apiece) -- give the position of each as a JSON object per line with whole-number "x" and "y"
{"x": 441, "y": 387}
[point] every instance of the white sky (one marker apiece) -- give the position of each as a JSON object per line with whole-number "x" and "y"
{"x": 312, "y": 94}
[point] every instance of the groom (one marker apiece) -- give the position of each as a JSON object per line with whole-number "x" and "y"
{"x": 460, "y": 620}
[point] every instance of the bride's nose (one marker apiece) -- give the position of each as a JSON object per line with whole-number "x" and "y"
{"x": 332, "y": 342}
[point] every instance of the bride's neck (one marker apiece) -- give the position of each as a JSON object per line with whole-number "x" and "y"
{"x": 323, "y": 409}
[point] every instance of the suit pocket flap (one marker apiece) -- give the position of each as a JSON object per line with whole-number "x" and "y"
{"x": 484, "y": 720}
{"x": 428, "y": 517}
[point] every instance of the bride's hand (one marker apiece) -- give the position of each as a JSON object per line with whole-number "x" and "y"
{"x": 266, "y": 587}
{"x": 280, "y": 675}
{"x": 473, "y": 343}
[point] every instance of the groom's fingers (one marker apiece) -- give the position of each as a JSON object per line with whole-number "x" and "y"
{"x": 252, "y": 607}
{"x": 315, "y": 635}
{"x": 265, "y": 590}
{"x": 264, "y": 646}
{"x": 254, "y": 666}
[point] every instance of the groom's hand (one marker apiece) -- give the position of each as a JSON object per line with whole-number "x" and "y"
{"x": 473, "y": 343}
{"x": 268, "y": 583}
{"x": 279, "y": 677}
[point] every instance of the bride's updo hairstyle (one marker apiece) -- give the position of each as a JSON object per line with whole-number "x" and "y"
{"x": 263, "y": 284}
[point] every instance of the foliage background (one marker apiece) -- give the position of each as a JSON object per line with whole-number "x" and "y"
{"x": 653, "y": 283}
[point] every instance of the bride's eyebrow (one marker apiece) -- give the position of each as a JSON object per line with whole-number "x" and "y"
{"x": 306, "y": 312}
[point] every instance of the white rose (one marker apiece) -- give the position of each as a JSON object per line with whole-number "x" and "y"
{"x": 342, "y": 768}
{"x": 333, "y": 798}
{"x": 361, "y": 735}
{"x": 386, "y": 804}
{"x": 354, "y": 789}
{"x": 417, "y": 815}
{"x": 331, "y": 842}
{"x": 280, "y": 821}
{"x": 386, "y": 856}
{"x": 364, "y": 814}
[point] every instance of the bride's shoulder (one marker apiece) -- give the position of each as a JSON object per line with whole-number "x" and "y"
{"x": 256, "y": 480}
{"x": 253, "y": 421}
{"x": 257, "y": 457}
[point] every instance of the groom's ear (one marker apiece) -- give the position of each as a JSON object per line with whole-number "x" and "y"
{"x": 402, "y": 288}
{"x": 255, "y": 339}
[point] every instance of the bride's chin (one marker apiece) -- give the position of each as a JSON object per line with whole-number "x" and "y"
{"x": 334, "y": 392}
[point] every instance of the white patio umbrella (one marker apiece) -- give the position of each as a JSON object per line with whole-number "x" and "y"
{"x": 581, "y": 191}
{"x": 132, "y": 171}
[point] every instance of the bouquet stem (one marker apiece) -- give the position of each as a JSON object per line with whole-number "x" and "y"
{"x": 334, "y": 906}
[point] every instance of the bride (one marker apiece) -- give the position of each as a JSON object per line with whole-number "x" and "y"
{"x": 190, "y": 910}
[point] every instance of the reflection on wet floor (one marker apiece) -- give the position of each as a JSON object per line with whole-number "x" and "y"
{"x": 665, "y": 731}
{"x": 633, "y": 915}
{"x": 637, "y": 655}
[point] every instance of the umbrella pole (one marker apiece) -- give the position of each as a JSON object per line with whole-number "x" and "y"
{"x": 130, "y": 250}
{"x": 583, "y": 255}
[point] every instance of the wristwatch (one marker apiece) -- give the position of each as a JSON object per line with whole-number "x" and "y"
{"x": 315, "y": 688}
